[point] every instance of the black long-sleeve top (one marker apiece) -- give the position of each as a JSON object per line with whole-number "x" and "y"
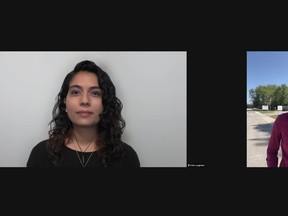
{"x": 71, "y": 158}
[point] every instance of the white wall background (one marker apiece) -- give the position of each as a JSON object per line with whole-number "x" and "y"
{"x": 151, "y": 86}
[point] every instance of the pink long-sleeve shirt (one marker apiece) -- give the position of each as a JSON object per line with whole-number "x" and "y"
{"x": 278, "y": 138}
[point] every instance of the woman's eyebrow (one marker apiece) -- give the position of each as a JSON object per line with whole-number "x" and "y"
{"x": 77, "y": 86}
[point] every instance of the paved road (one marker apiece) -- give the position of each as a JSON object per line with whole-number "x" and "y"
{"x": 259, "y": 128}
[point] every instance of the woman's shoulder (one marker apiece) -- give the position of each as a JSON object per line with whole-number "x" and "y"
{"x": 128, "y": 148}
{"x": 38, "y": 155}
{"x": 40, "y": 146}
{"x": 130, "y": 155}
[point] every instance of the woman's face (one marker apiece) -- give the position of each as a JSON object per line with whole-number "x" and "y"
{"x": 84, "y": 100}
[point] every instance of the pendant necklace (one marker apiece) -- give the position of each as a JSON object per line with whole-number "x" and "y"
{"x": 82, "y": 159}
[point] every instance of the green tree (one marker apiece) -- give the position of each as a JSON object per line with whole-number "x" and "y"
{"x": 263, "y": 95}
{"x": 280, "y": 96}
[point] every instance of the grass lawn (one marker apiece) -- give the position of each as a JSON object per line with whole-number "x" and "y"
{"x": 271, "y": 113}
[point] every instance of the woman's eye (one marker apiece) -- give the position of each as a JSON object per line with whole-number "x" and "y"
{"x": 74, "y": 92}
{"x": 96, "y": 93}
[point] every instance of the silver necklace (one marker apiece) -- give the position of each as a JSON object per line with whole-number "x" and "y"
{"x": 83, "y": 164}
{"x": 82, "y": 159}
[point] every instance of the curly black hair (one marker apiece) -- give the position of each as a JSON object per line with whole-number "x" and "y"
{"x": 110, "y": 126}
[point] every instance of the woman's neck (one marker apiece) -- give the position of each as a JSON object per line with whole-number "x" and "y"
{"x": 83, "y": 139}
{"x": 84, "y": 135}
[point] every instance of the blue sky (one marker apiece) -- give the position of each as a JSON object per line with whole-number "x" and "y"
{"x": 265, "y": 68}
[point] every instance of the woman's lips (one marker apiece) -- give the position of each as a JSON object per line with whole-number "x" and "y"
{"x": 84, "y": 113}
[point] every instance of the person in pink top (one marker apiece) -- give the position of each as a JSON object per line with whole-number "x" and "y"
{"x": 278, "y": 138}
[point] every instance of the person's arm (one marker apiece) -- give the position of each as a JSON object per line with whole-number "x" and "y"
{"x": 274, "y": 144}
{"x": 38, "y": 156}
{"x": 130, "y": 158}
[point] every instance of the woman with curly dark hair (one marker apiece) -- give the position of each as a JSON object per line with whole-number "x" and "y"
{"x": 87, "y": 125}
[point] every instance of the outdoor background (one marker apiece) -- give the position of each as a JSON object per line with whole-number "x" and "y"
{"x": 264, "y": 68}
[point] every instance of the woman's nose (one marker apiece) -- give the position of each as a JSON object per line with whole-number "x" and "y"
{"x": 85, "y": 100}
